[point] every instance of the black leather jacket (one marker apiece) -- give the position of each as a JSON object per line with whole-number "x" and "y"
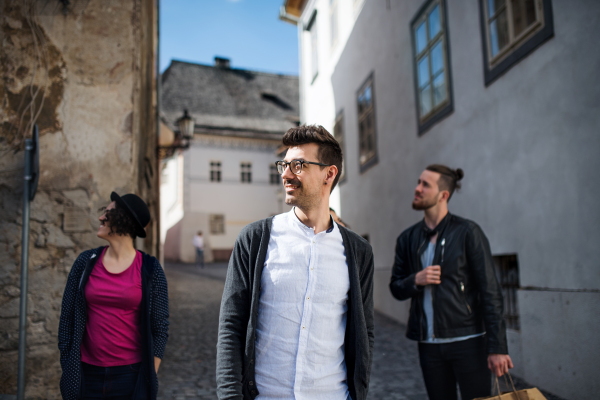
{"x": 468, "y": 300}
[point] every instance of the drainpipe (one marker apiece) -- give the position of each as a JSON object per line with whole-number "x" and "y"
{"x": 158, "y": 250}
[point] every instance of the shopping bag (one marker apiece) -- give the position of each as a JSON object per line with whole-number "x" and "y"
{"x": 523, "y": 394}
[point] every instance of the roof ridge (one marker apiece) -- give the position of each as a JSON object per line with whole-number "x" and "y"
{"x": 232, "y": 69}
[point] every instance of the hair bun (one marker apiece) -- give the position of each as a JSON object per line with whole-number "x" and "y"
{"x": 459, "y": 174}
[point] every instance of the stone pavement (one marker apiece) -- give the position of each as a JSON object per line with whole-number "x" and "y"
{"x": 188, "y": 368}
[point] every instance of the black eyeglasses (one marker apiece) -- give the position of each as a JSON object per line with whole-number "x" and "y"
{"x": 295, "y": 165}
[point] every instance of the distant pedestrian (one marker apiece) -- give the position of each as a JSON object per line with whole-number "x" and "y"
{"x": 444, "y": 265}
{"x": 114, "y": 318}
{"x": 337, "y": 219}
{"x": 198, "y": 242}
{"x": 296, "y": 316}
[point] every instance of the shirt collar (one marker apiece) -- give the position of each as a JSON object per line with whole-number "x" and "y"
{"x": 296, "y": 222}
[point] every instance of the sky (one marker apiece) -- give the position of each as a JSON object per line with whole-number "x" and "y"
{"x": 248, "y": 32}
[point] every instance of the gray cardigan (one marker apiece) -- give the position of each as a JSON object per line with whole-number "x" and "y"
{"x": 239, "y": 312}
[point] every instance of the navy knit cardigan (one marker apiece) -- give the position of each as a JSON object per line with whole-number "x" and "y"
{"x": 73, "y": 317}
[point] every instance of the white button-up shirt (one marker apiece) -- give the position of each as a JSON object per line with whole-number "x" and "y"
{"x": 302, "y": 314}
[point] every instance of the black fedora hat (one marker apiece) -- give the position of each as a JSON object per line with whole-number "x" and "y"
{"x": 137, "y": 209}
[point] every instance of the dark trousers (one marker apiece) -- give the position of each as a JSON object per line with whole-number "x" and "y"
{"x": 200, "y": 257}
{"x": 114, "y": 383}
{"x": 463, "y": 362}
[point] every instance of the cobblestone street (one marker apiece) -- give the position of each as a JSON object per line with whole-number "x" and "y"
{"x": 188, "y": 368}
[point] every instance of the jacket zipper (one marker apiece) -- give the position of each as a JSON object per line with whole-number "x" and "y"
{"x": 462, "y": 289}
{"x": 432, "y": 294}
{"x": 420, "y": 305}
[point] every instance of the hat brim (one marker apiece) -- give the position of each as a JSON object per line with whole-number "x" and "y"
{"x": 139, "y": 229}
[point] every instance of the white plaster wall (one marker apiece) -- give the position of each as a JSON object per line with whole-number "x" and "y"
{"x": 241, "y": 203}
{"x": 171, "y": 194}
{"x": 529, "y": 147}
{"x": 317, "y": 102}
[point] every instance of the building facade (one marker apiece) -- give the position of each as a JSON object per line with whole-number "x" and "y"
{"x": 503, "y": 91}
{"x": 229, "y": 175}
{"x": 85, "y": 73}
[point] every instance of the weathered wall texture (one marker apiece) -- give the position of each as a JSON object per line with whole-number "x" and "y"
{"x": 94, "y": 68}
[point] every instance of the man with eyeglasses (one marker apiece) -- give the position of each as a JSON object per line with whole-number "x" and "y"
{"x": 296, "y": 316}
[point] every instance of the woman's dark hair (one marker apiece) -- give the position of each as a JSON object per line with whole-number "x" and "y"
{"x": 449, "y": 178}
{"x": 330, "y": 151}
{"x": 120, "y": 221}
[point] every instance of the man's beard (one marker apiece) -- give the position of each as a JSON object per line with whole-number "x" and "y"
{"x": 301, "y": 199}
{"x": 423, "y": 205}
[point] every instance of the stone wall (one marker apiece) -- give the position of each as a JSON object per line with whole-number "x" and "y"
{"x": 90, "y": 70}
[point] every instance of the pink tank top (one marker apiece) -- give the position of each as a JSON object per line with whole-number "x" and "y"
{"x": 112, "y": 331}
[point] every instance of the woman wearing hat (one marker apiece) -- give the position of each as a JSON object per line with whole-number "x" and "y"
{"x": 114, "y": 318}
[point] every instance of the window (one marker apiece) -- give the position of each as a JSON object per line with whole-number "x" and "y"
{"x": 215, "y": 171}
{"x": 246, "y": 172}
{"x": 366, "y": 125}
{"x": 274, "y": 177}
{"x": 338, "y": 134}
{"x": 431, "y": 64}
{"x": 507, "y": 272}
{"x": 311, "y": 27}
{"x": 512, "y": 29}
{"x": 217, "y": 224}
{"x": 333, "y": 21}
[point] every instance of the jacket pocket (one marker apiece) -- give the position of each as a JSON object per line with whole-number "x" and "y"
{"x": 464, "y": 297}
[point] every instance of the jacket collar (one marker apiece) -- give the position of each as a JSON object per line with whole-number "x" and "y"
{"x": 438, "y": 229}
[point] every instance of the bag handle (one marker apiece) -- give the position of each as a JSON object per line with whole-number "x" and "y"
{"x": 497, "y": 385}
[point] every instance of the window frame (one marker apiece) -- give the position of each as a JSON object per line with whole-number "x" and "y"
{"x": 444, "y": 109}
{"x": 506, "y": 268}
{"x": 339, "y": 119}
{"x": 334, "y": 29}
{"x": 517, "y": 49}
{"x": 212, "y": 221}
{"x": 313, "y": 33}
{"x": 375, "y": 158}
{"x": 274, "y": 175}
{"x": 245, "y": 175}
{"x": 218, "y": 170}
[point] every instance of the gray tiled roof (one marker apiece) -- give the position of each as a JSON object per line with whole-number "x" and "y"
{"x": 229, "y": 98}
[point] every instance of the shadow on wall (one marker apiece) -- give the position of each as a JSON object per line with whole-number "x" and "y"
{"x": 172, "y": 240}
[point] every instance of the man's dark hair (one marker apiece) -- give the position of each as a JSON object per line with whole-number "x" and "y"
{"x": 330, "y": 151}
{"x": 120, "y": 221}
{"x": 449, "y": 178}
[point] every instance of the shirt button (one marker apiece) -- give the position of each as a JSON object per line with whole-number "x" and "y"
{"x": 308, "y": 298}
{"x": 313, "y": 241}
{"x": 302, "y": 327}
{"x": 311, "y": 268}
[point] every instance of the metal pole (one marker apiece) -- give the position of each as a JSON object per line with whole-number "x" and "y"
{"x": 24, "y": 271}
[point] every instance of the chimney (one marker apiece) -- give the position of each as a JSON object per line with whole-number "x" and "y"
{"x": 222, "y": 62}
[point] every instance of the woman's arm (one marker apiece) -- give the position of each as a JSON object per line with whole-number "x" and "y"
{"x": 159, "y": 313}
{"x": 67, "y": 311}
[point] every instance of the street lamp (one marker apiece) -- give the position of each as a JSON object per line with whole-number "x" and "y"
{"x": 186, "y": 126}
{"x": 179, "y": 140}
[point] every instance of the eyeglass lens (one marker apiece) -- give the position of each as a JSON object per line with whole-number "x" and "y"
{"x": 295, "y": 165}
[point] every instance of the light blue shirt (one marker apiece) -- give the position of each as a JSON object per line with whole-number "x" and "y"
{"x": 302, "y": 314}
{"x": 426, "y": 260}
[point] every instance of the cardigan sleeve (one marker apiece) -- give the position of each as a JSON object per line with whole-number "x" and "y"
{"x": 159, "y": 313}
{"x": 66, "y": 324}
{"x": 366, "y": 284}
{"x": 233, "y": 321}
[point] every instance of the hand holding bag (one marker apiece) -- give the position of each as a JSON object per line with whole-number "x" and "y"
{"x": 524, "y": 394}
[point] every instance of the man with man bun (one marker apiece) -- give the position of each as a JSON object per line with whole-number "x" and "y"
{"x": 444, "y": 265}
